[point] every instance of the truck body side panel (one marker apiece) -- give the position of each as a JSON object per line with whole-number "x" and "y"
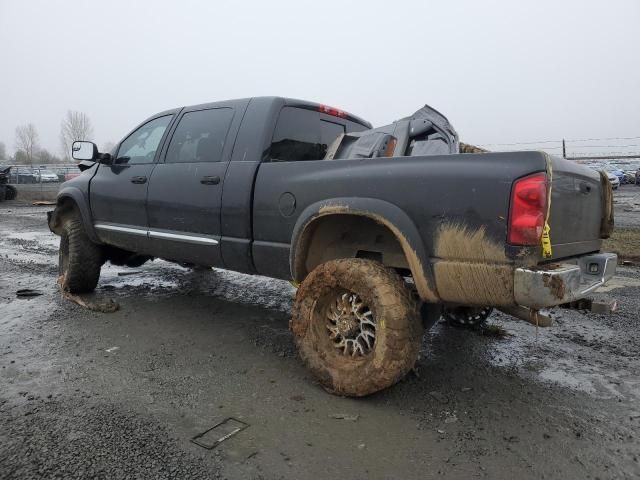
{"x": 459, "y": 203}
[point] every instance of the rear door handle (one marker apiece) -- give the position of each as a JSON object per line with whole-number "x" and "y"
{"x": 139, "y": 180}
{"x": 210, "y": 180}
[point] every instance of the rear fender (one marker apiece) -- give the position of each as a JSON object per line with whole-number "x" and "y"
{"x": 382, "y": 212}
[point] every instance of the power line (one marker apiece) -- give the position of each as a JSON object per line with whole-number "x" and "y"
{"x": 557, "y": 141}
{"x": 589, "y": 155}
{"x": 609, "y": 146}
{"x": 518, "y": 143}
{"x": 529, "y": 149}
{"x": 597, "y": 139}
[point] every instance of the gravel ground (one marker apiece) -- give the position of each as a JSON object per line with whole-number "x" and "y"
{"x": 74, "y": 438}
{"x": 120, "y": 395}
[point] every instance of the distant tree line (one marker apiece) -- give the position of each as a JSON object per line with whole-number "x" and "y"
{"x": 74, "y": 126}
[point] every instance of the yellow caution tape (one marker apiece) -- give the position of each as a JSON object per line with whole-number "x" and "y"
{"x": 545, "y": 240}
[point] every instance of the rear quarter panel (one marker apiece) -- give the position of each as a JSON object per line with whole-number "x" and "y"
{"x": 455, "y": 201}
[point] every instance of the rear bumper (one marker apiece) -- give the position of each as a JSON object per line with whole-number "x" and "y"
{"x": 560, "y": 283}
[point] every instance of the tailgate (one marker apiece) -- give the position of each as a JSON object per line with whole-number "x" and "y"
{"x": 578, "y": 202}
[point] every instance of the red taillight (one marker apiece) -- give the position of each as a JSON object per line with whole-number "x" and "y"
{"x": 332, "y": 111}
{"x": 528, "y": 210}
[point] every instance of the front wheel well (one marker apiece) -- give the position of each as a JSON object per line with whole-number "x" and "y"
{"x": 333, "y": 237}
{"x": 65, "y": 206}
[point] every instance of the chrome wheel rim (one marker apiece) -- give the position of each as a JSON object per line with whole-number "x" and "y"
{"x": 351, "y": 325}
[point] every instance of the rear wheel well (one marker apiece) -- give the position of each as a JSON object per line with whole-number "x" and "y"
{"x": 338, "y": 236}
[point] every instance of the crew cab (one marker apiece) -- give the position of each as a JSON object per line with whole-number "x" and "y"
{"x": 383, "y": 229}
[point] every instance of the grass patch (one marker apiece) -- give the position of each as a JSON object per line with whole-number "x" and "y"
{"x": 625, "y": 242}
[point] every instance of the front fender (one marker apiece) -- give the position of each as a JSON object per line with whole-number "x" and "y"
{"x": 80, "y": 202}
{"x": 384, "y": 213}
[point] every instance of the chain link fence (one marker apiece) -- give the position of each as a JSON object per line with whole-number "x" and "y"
{"x": 42, "y": 174}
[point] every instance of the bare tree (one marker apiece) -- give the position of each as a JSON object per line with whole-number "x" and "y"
{"x": 75, "y": 126}
{"x": 27, "y": 140}
{"x": 3, "y": 151}
{"x": 44, "y": 157}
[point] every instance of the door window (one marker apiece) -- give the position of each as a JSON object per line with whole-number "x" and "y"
{"x": 300, "y": 134}
{"x": 200, "y": 136}
{"x": 141, "y": 145}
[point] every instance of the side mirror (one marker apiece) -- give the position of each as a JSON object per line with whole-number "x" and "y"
{"x": 82, "y": 150}
{"x": 105, "y": 158}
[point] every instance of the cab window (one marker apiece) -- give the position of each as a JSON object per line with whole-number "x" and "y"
{"x": 200, "y": 136}
{"x": 142, "y": 144}
{"x": 301, "y": 134}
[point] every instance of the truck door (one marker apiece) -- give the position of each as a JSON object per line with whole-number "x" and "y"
{"x": 185, "y": 189}
{"x": 118, "y": 191}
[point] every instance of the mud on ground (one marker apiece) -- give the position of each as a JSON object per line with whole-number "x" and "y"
{"x": 87, "y": 394}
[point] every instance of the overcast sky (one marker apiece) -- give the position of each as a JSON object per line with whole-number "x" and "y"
{"x": 501, "y": 71}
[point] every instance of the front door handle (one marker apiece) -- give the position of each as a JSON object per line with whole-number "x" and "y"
{"x": 210, "y": 180}
{"x": 139, "y": 180}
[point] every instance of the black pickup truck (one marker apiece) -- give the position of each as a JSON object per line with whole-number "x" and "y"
{"x": 383, "y": 229}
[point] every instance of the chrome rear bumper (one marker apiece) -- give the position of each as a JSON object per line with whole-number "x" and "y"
{"x": 558, "y": 283}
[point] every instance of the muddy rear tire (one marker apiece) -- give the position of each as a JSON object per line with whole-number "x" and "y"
{"x": 79, "y": 259}
{"x": 357, "y": 326}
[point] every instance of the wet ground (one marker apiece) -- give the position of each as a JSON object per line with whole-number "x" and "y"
{"x": 626, "y": 200}
{"x": 86, "y": 394}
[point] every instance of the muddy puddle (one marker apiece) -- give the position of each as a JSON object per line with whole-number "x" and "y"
{"x": 579, "y": 353}
{"x": 14, "y": 308}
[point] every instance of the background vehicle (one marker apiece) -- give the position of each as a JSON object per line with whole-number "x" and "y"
{"x": 629, "y": 177}
{"x": 374, "y": 223}
{"x": 614, "y": 179}
{"x": 616, "y": 171}
{"x": 7, "y": 192}
{"x": 22, "y": 175}
{"x": 46, "y": 176}
{"x": 630, "y": 171}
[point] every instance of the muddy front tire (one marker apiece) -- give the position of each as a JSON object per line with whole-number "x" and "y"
{"x": 357, "y": 326}
{"x": 79, "y": 259}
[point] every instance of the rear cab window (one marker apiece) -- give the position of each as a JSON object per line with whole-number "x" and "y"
{"x": 200, "y": 136}
{"x": 304, "y": 134}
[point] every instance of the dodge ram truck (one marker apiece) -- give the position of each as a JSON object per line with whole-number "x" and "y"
{"x": 384, "y": 230}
